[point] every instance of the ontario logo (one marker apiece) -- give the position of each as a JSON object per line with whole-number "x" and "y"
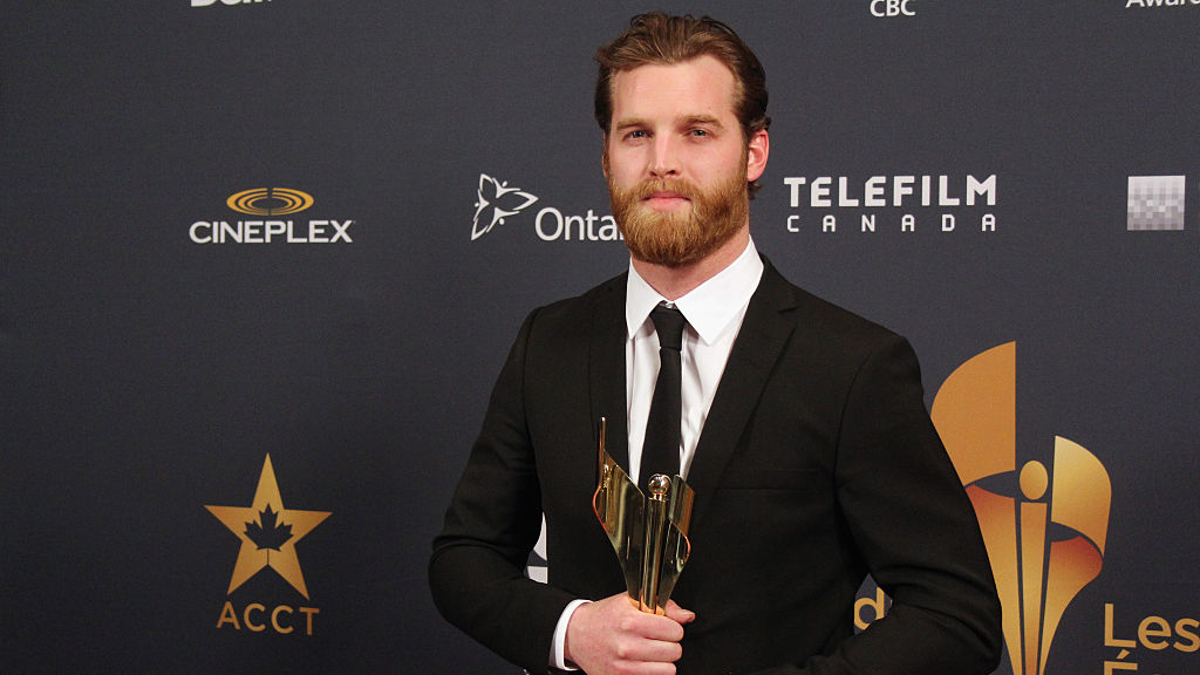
{"x": 496, "y": 202}
{"x": 902, "y": 203}
{"x": 270, "y": 205}
{"x": 1045, "y": 529}
{"x": 268, "y": 533}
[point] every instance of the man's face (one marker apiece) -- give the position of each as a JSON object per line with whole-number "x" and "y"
{"x": 676, "y": 162}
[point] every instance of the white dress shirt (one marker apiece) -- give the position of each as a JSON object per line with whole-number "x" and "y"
{"x": 714, "y": 311}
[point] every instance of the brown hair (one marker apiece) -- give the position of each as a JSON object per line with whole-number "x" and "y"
{"x": 657, "y": 38}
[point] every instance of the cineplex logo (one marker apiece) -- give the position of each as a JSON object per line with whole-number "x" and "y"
{"x": 903, "y": 203}
{"x": 496, "y": 202}
{"x": 270, "y": 205}
{"x": 265, "y": 527}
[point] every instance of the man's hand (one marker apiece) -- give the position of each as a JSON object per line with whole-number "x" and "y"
{"x": 611, "y": 636}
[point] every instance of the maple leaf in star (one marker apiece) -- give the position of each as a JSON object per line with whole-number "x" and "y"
{"x": 269, "y": 534}
{"x": 503, "y": 201}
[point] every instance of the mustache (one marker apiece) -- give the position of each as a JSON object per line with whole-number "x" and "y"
{"x": 682, "y": 187}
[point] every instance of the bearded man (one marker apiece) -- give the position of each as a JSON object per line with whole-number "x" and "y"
{"x": 802, "y": 428}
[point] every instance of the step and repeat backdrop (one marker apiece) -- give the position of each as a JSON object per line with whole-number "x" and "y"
{"x": 261, "y": 261}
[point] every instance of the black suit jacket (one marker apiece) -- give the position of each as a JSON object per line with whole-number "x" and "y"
{"x": 817, "y": 464}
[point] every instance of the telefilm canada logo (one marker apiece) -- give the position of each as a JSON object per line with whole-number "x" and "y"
{"x": 268, "y": 225}
{"x": 497, "y": 203}
{"x": 891, "y": 203}
{"x": 268, "y": 533}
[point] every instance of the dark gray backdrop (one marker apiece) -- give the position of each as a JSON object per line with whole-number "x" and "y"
{"x": 148, "y": 375}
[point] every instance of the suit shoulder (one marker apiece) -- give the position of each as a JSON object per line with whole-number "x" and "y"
{"x": 571, "y": 311}
{"x": 838, "y": 318}
{"x": 831, "y": 321}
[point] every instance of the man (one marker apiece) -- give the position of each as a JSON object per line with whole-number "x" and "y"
{"x": 803, "y": 429}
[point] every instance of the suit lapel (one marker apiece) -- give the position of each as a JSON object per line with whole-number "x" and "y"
{"x": 606, "y": 367}
{"x": 765, "y": 330}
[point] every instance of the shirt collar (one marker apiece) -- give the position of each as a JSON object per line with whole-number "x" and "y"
{"x": 710, "y": 307}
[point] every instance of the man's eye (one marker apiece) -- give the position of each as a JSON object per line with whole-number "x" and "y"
{"x": 699, "y": 132}
{"x": 637, "y": 134}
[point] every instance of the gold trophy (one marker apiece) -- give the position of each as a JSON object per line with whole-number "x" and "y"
{"x": 648, "y": 535}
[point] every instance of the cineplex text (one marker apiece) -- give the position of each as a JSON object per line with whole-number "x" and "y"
{"x": 271, "y": 232}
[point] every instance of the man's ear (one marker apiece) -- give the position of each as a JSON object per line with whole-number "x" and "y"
{"x": 757, "y": 151}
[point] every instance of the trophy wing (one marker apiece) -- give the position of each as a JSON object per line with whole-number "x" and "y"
{"x": 620, "y": 507}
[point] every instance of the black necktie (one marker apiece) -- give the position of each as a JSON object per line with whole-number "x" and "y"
{"x": 660, "y": 451}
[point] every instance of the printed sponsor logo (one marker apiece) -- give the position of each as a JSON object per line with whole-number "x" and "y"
{"x": 496, "y": 204}
{"x": 268, "y": 532}
{"x": 208, "y": 3}
{"x": 893, "y": 8}
{"x": 1154, "y": 4}
{"x": 1045, "y": 528}
{"x": 270, "y": 205}
{"x": 903, "y": 203}
{"x": 495, "y": 201}
{"x": 538, "y": 567}
{"x": 1156, "y": 202}
{"x": 1154, "y": 633}
{"x": 270, "y": 201}
{"x": 1045, "y": 533}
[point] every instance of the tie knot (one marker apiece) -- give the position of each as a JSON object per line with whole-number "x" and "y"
{"x": 669, "y": 323}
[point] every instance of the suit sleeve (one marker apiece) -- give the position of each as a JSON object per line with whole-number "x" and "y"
{"x": 476, "y": 571}
{"x": 916, "y": 529}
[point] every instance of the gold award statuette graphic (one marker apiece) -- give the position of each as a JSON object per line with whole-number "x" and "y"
{"x": 267, "y": 526}
{"x": 648, "y": 535}
{"x": 1037, "y": 575}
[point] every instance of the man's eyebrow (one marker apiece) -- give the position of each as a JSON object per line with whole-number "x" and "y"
{"x": 629, "y": 122}
{"x": 710, "y": 120}
{"x": 686, "y": 121}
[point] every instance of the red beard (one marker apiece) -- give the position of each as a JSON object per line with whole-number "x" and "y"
{"x": 685, "y": 236}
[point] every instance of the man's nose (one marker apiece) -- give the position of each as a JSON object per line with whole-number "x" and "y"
{"x": 665, "y": 160}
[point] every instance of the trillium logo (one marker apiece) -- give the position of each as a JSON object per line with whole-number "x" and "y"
{"x": 495, "y": 201}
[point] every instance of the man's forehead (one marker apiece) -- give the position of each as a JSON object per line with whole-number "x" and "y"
{"x": 704, "y": 79}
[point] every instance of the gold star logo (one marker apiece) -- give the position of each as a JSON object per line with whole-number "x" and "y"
{"x": 265, "y": 527}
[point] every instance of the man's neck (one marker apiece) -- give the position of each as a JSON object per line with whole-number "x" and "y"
{"x": 675, "y": 282}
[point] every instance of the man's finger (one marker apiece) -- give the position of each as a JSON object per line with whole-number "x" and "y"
{"x": 679, "y": 614}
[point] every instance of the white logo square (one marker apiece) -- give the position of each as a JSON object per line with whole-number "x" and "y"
{"x": 1156, "y": 202}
